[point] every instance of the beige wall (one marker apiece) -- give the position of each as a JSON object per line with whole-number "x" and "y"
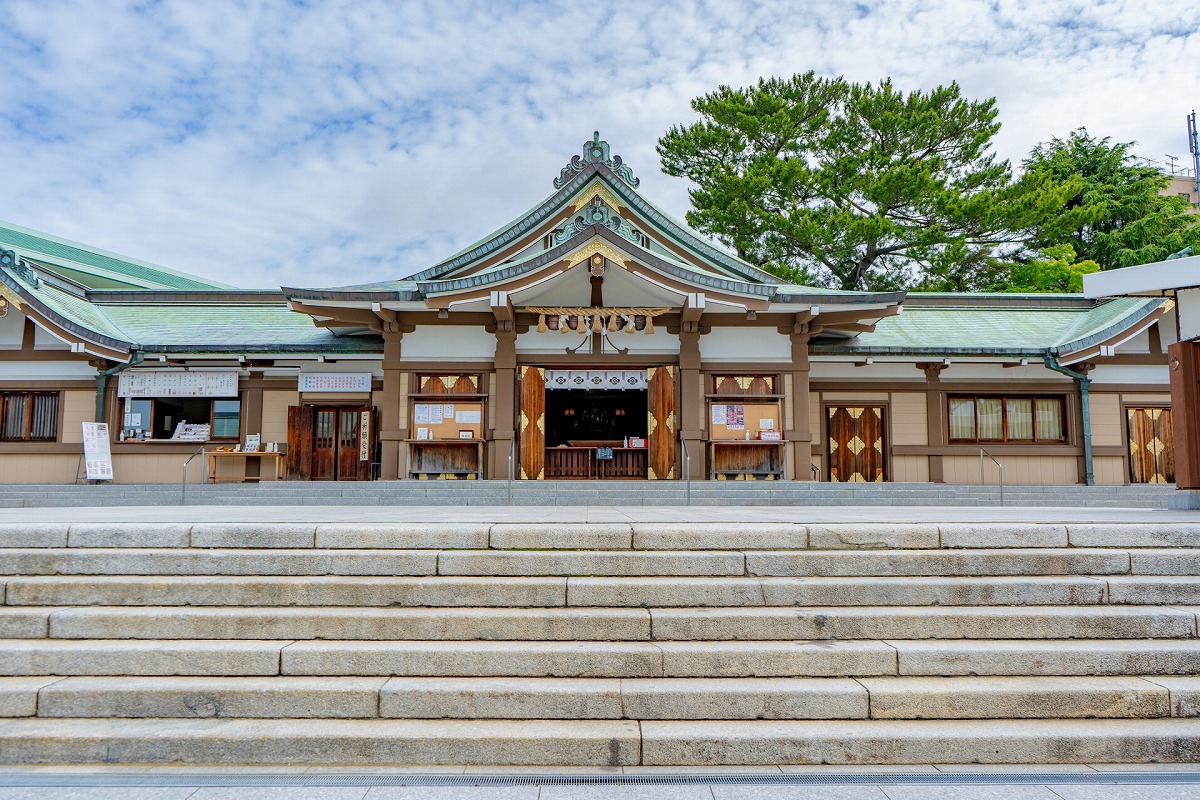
{"x": 275, "y": 414}
{"x": 1107, "y": 425}
{"x": 1017, "y": 469}
{"x": 77, "y": 408}
{"x": 35, "y": 468}
{"x": 910, "y": 425}
{"x": 910, "y": 469}
{"x": 155, "y": 468}
{"x": 1108, "y": 470}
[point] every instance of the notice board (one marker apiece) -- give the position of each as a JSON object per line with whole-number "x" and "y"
{"x": 97, "y": 456}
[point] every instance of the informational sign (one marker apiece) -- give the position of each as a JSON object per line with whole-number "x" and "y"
{"x": 97, "y": 456}
{"x": 364, "y": 436}
{"x": 152, "y": 383}
{"x": 253, "y": 442}
{"x": 604, "y": 454}
{"x": 334, "y": 382}
{"x": 467, "y": 417}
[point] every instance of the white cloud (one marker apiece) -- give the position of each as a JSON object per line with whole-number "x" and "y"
{"x": 269, "y": 143}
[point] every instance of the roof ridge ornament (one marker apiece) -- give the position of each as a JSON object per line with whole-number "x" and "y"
{"x": 19, "y": 267}
{"x": 596, "y": 152}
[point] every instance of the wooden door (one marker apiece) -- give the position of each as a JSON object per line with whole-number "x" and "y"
{"x": 347, "y": 444}
{"x": 532, "y": 426}
{"x": 1151, "y": 445}
{"x": 857, "y": 445}
{"x": 661, "y": 438}
{"x": 325, "y": 444}
{"x": 300, "y": 442}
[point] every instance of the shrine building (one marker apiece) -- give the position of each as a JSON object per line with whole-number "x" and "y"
{"x": 595, "y": 337}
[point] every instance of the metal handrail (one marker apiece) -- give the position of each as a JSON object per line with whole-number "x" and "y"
{"x": 183, "y": 481}
{"x": 687, "y": 469}
{"x": 999, "y": 466}
{"x": 512, "y": 451}
{"x": 816, "y": 472}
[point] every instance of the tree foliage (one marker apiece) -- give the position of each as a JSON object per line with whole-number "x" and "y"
{"x": 856, "y": 186}
{"x": 1114, "y": 212}
{"x": 1055, "y": 269}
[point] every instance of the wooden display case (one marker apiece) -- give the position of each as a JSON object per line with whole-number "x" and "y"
{"x": 447, "y": 420}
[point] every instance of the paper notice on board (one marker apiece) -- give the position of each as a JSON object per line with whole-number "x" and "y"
{"x": 735, "y": 418}
{"x": 435, "y": 414}
{"x": 467, "y": 417}
{"x": 766, "y": 424}
{"x": 423, "y": 434}
{"x": 421, "y": 414}
{"x": 96, "y": 453}
{"x": 448, "y": 411}
{"x": 718, "y": 414}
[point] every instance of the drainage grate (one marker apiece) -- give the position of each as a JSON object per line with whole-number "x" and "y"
{"x": 533, "y": 779}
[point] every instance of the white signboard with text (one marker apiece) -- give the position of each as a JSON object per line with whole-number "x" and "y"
{"x": 150, "y": 383}
{"x": 334, "y": 382}
{"x": 97, "y": 456}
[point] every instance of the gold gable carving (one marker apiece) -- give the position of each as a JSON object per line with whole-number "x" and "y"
{"x": 596, "y": 190}
{"x": 597, "y": 245}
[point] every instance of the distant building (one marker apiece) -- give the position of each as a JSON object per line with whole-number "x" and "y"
{"x": 593, "y": 337}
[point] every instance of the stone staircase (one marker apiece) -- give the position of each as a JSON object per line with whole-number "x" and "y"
{"x": 599, "y": 644}
{"x": 577, "y": 493}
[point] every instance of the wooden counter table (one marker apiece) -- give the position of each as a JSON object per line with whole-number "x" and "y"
{"x": 216, "y": 456}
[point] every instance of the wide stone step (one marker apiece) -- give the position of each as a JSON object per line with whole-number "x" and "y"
{"x": 326, "y": 741}
{"x": 601, "y": 624}
{"x": 1017, "y": 562}
{"x": 589, "y": 659}
{"x": 175, "y": 622}
{"x": 139, "y": 590}
{"x": 920, "y": 742}
{"x": 898, "y": 563}
{"x": 884, "y": 622}
{"x": 598, "y": 536}
{"x": 1032, "y": 657}
{"x": 601, "y": 698}
{"x": 147, "y": 657}
{"x": 189, "y": 561}
{"x": 598, "y": 742}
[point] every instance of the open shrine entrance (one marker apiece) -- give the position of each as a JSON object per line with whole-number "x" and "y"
{"x": 596, "y": 433}
{"x": 597, "y": 424}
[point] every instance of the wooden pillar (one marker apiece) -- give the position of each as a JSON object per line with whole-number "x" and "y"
{"x": 800, "y": 436}
{"x": 392, "y": 429}
{"x": 691, "y": 401}
{"x": 251, "y": 411}
{"x": 1184, "y": 360}
{"x": 504, "y": 400}
{"x": 935, "y": 417}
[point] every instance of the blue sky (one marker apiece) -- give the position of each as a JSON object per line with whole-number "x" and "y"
{"x": 341, "y": 141}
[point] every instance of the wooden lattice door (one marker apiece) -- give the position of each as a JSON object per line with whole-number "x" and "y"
{"x": 532, "y": 426}
{"x": 1151, "y": 454}
{"x": 660, "y": 440}
{"x": 857, "y": 445}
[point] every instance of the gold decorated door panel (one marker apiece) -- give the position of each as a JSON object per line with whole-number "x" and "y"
{"x": 661, "y": 423}
{"x": 531, "y": 429}
{"x": 856, "y": 444}
{"x": 1151, "y": 451}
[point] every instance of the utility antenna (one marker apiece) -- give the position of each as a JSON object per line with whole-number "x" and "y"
{"x": 1194, "y": 149}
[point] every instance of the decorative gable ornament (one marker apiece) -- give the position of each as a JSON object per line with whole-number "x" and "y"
{"x": 19, "y": 267}
{"x": 599, "y": 213}
{"x": 596, "y": 152}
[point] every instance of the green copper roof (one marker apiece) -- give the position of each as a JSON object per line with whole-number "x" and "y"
{"x": 230, "y": 328}
{"x": 973, "y": 327}
{"x": 94, "y": 267}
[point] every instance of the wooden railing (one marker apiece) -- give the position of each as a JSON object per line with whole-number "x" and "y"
{"x": 567, "y": 463}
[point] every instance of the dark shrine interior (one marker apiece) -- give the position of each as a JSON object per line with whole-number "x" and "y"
{"x": 601, "y": 415}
